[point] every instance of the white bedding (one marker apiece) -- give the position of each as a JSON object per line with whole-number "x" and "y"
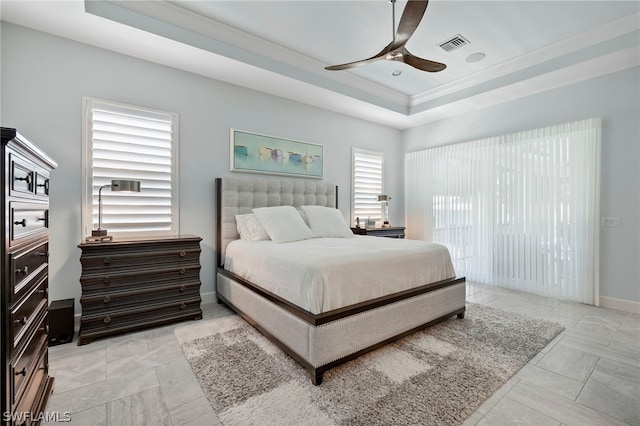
{"x": 322, "y": 274}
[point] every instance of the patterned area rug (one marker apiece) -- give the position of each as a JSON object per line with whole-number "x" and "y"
{"x": 437, "y": 376}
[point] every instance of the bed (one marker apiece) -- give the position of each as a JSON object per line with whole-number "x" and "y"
{"x": 306, "y": 320}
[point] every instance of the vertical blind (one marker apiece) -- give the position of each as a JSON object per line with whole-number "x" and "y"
{"x": 367, "y": 185}
{"x": 135, "y": 144}
{"x": 519, "y": 211}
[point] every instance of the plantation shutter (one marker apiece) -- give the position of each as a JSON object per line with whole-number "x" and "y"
{"x": 135, "y": 144}
{"x": 367, "y": 185}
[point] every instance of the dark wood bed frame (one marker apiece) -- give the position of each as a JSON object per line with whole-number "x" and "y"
{"x": 326, "y": 317}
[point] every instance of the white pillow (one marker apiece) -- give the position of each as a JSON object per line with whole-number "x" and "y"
{"x": 283, "y": 224}
{"x": 327, "y": 222}
{"x": 249, "y": 228}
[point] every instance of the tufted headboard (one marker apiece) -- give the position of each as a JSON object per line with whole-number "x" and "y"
{"x": 241, "y": 195}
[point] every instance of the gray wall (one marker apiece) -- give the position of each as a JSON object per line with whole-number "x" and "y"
{"x": 615, "y": 98}
{"x": 45, "y": 77}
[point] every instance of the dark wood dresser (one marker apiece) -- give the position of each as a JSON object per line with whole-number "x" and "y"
{"x": 131, "y": 285}
{"x": 391, "y": 232}
{"x": 25, "y": 279}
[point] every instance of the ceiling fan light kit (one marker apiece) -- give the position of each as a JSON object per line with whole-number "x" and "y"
{"x": 396, "y": 50}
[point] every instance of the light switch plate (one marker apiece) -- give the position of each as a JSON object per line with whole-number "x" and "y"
{"x": 613, "y": 221}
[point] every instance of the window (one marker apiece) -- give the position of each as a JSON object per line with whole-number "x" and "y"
{"x": 367, "y": 173}
{"x": 128, "y": 142}
{"x": 519, "y": 211}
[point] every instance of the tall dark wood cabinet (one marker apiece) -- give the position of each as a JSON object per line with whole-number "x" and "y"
{"x": 25, "y": 257}
{"x": 129, "y": 285}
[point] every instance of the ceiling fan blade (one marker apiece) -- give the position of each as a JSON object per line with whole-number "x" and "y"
{"x": 349, "y": 65}
{"x": 354, "y": 64}
{"x": 411, "y": 17}
{"x": 419, "y": 63}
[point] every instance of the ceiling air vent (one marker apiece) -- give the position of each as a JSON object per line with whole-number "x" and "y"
{"x": 453, "y": 43}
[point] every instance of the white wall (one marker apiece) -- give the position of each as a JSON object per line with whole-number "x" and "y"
{"x": 45, "y": 77}
{"x": 615, "y": 98}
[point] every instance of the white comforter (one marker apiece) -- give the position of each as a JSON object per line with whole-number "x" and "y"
{"x": 323, "y": 274}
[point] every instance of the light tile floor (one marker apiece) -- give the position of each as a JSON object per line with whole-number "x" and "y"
{"x": 588, "y": 375}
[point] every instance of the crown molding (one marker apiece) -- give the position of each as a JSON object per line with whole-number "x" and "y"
{"x": 589, "y": 38}
{"x": 606, "y": 64}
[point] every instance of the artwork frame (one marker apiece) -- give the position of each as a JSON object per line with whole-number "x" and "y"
{"x": 251, "y": 152}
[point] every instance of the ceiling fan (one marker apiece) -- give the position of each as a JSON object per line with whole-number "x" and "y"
{"x": 396, "y": 50}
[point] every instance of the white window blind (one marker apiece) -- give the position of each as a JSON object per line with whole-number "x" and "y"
{"x": 519, "y": 211}
{"x": 367, "y": 170}
{"x": 133, "y": 143}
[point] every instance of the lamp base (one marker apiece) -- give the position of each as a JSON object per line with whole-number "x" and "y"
{"x": 99, "y": 235}
{"x": 99, "y": 239}
{"x": 104, "y": 238}
{"x": 385, "y": 224}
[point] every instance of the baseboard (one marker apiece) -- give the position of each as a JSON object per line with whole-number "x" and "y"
{"x": 620, "y": 304}
{"x": 209, "y": 297}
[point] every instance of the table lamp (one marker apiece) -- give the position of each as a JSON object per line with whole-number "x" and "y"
{"x": 119, "y": 185}
{"x": 385, "y": 210}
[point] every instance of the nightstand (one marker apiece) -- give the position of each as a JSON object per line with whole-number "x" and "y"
{"x": 391, "y": 232}
{"x": 129, "y": 285}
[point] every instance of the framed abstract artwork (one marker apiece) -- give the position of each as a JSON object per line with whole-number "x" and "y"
{"x": 255, "y": 153}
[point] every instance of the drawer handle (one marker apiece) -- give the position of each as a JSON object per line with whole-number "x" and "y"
{"x": 28, "y": 179}
{"x": 183, "y": 253}
{"x": 24, "y": 270}
{"x": 45, "y": 185}
{"x": 21, "y": 321}
{"x": 44, "y": 254}
{"x": 182, "y": 271}
{"x": 107, "y": 279}
{"x": 44, "y": 291}
{"x": 22, "y": 372}
{"x": 183, "y": 306}
{"x": 22, "y": 222}
{"x": 107, "y": 260}
{"x": 182, "y": 288}
{"x": 106, "y": 299}
{"x": 44, "y": 329}
{"x": 107, "y": 319}
{"x": 42, "y": 218}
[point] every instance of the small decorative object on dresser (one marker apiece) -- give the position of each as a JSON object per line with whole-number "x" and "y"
{"x": 25, "y": 283}
{"x": 129, "y": 285}
{"x": 389, "y": 232}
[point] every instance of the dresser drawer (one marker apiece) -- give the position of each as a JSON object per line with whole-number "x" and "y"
{"x": 94, "y": 325}
{"x": 135, "y": 299}
{"x": 27, "y": 220}
{"x": 138, "y": 279}
{"x": 35, "y": 393}
{"x": 26, "y": 313}
{"x": 22, "y": 176}
{"x": 115, "y": 260}
{"x": 25, "y": 267}
{"x": 28, "y": 361}
{"x": 42, "y": 183}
